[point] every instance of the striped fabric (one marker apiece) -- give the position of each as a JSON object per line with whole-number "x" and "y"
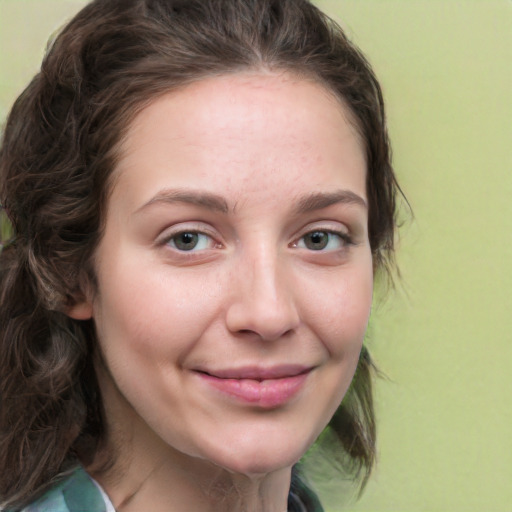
{"x": 79, "y": 493}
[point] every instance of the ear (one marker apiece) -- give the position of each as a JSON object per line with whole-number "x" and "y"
{"x": 80, "y": 303}
{"x": 80, "y": 311}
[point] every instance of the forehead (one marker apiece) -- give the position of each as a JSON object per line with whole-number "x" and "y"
{"x": 243, "y": 132}
{"x": 207, "y": 99}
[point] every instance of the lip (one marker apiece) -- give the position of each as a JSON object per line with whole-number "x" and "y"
{"x": 267, "y": 388}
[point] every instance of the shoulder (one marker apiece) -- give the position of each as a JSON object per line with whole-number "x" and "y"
{"x": 301, "y": 497}
{"x": 75, "y": 493}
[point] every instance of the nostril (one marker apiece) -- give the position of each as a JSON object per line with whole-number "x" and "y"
{"x": 259, "y": 315}
{"x": 249, "y": 333}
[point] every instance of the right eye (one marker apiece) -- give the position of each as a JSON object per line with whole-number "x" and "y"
{"x": 188, "y": 241}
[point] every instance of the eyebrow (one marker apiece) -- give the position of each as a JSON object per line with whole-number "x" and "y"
{"x": 320, "y": 200}
{"x": 214, "y": 202}
{"x": 204, "y": 199}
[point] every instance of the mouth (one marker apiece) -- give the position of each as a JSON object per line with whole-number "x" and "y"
{"x": 266, "y": 388}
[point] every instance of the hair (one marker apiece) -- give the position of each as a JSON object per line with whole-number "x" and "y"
{"x": 59, "y": 148}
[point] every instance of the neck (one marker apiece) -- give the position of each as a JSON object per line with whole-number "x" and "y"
{"x": 175, "y": 484}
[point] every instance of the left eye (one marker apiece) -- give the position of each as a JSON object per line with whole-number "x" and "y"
{"x": 189, "y": 241}
{"x": 322, "y": 241}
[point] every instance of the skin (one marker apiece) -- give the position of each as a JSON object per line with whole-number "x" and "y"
{"x": 282, "y": 160}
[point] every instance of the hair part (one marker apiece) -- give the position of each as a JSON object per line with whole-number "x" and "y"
{"x": 60, "y": 146}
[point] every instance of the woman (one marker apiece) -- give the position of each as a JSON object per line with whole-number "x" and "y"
{"x": 201, "y": 193}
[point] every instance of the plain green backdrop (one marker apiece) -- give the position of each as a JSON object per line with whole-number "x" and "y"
{"x": 443, "y": 337}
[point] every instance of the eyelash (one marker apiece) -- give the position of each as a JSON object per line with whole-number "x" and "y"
{"x": 344, "y": 240}
{"x": 171, "y": 240}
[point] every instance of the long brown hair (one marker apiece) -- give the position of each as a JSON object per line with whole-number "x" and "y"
{"x": 58, "y": 151}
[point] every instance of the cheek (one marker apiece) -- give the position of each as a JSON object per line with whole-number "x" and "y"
{"x": 342, "y": 312}
{"x": 150, "y": 311}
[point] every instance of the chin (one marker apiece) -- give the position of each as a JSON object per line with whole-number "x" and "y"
{"x": 254, "y": 468}
{"x": 256, "y": 457}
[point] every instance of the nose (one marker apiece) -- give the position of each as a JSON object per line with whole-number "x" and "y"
{"x": 263, "y": 298}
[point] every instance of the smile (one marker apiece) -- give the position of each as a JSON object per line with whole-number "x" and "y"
{"x": 266, "y": 388}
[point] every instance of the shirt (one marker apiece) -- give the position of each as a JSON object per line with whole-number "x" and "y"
{"x": 80, "y": 493}
{"x": 76, "y": 493}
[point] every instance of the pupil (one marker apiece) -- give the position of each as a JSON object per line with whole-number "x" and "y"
{"x": 186, "y": 241}
{"x": 317, "y": 240}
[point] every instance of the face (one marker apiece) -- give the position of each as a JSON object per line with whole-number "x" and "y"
{"x": 235, "y": 271}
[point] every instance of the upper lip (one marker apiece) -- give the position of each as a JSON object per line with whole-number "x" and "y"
{"x": 257, "y": 372}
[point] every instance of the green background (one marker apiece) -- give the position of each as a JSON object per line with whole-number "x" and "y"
{"x": 443, "y": 337}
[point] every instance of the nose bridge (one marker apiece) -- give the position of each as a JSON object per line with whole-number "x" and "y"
{"x": 264, "y": 301}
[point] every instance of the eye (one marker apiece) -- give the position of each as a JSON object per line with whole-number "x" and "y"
{"x": 190, "y": 241}
{"x": 321, "y": 240}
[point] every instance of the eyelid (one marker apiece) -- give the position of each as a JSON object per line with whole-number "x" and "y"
{"x": 329, "y": 226}
{"x": 345, "y": 238}
{"x": 185, "y": 227}
{"x": 333, "y": 227}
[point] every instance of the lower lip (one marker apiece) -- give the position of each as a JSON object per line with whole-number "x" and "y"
{"x": 268, "y": 394}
